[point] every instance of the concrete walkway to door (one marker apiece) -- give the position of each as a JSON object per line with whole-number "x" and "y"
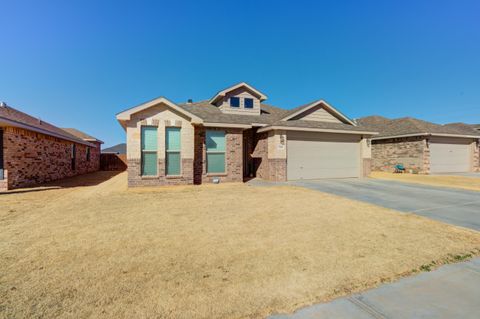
{"x": 453, "y": 206}
{"x": 452, "y": 291}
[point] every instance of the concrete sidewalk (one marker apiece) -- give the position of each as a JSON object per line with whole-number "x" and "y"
{"x": 452, "y": 291}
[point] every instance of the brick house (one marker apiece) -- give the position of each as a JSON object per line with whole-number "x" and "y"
{"x": 423, "y": 147}
{"x": 235, "y": 136}
{"x": 33, "y": 151}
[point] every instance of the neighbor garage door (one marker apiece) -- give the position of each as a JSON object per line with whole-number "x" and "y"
{"x": 320, "y": 155}
{"x": 449, "y": 155}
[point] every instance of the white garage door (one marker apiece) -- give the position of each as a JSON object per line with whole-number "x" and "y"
{"x": 449, "y": 156}
{"x": 320, "y": 155}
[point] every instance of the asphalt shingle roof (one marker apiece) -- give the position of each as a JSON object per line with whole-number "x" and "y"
{"x": 117, "y": 149}
{"x": 270, "y": 115}
{"x": 14, "y": 115}
{"x": 408, "y": 125}
{"x": 80, "y": 134}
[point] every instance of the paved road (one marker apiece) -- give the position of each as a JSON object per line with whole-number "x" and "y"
{"x": 470, "y": 174}
{"x": 454, "y": 206}
{"x": 452, "y": 291}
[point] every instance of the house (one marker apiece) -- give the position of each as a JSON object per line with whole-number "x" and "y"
{"x": 33, "y": 151}
{"x": 235, "y": 136}
{"x": 421, "y": 146}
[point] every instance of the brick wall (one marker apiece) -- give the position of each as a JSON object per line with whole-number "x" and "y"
{"x": 32, "y": 158}
{"x": 476, "y": 157}
{"x": 135, "y": 177}
{"x": 272, "y": 169}
{"x": 233, "y": 156}
{"x": 409, "y": 151}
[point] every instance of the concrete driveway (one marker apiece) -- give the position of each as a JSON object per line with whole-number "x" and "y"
{"x": 452, "y": 291}
{"x": 454, "y": 206}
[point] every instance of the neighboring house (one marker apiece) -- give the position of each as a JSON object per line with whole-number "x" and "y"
{"x": 33, "y": 151}
{"x": 234, "y": 136}
{"x": 422, "y": 146}
{"x": 120, "y": 149}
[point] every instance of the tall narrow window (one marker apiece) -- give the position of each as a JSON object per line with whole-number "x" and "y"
{"x": 248, "y": 103}
{"x": 149, "y": 151}
{"x": 215, "y": 142}
{"x": 73, "y": 155}
{"x": 1, "y": 155}
{"x": 172, "y": 150}
{"x": 88, "y": 153}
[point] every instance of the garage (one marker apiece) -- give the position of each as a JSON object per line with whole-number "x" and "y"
{"x": 322, "y": 155}
{"x": 449, "y": 155}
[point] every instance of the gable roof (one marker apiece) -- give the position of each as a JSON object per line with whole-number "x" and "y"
{"x": 84, "y": 136}
{"x": 465, "y": 126}
{"x": 304, "y": 108}
{"x": 116, "y": 149}
{"x": 126, "y": 115}
{"x": 408, "y": 126}
{"x": 13, "y": 117}
{"x": 222, "y": 93}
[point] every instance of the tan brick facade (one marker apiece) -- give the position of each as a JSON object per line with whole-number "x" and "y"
{"x": 412, "y": 152}
{"x": 32, "y": 158}
{"x": 272, "y": 169}
{"x": 135, "y": 177}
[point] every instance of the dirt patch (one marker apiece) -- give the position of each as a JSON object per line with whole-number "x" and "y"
{"x": 462, "y": 182}
{"x": 213, "y": 251}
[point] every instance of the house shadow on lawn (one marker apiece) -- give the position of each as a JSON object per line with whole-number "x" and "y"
{"x": 85, "y": 180}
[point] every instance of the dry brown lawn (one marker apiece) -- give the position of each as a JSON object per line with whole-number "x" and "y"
{"x": 214, "y": 251}
{"x": 463, "y": 182}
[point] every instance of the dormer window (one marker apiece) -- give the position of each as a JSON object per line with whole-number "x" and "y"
{"x": 248, "y": 103}
{"x": 234, "y": 101}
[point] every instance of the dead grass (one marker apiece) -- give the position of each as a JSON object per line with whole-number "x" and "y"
{"x": 463, "y": 182}
{"x": 215, "y": 251}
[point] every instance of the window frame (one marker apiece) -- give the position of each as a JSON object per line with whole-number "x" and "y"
{"x": 224, "y": 152}
{"x": 245, "y": 103}
{"x": 179, "y": 151}
{"x": 236, "y": 98}
{"x": 143, "y": 152}
{"x": 88, "y": 153}
{"x": 73, "y": 156}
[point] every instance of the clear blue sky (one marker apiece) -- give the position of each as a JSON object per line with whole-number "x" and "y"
{"x": 78, "y": 63}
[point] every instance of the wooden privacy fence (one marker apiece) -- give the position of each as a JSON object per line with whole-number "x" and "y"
{"x": 113, "y": 162}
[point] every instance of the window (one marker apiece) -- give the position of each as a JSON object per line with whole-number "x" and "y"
{"x": 73, "y": 155}
{"x": 1, "y": 155}
{"x": 88, "y": 154}
{"x": 172, "y": 150}
{"x": 235, "y": 101}
{"x": 149, "y": 151}
{"x": 248, "y": 103}
{"x": 215, "y": 142}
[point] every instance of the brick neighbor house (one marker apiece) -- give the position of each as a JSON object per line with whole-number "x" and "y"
{"x": 423, "y": 147}
{"x": 33, "y": 151}
{"x": 235, "y": 136}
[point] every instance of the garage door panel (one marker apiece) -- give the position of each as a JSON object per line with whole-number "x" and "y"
{"x": 449, "y": 157}
{"x": 313, "y": 156}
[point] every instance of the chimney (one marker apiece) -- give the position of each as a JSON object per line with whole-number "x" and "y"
{"x": 190, "y": 101}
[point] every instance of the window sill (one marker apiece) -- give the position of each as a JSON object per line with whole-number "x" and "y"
{"x": 174, "y": 176}
{"x": 216, "y": 174}
{"x": 149, "y": 177}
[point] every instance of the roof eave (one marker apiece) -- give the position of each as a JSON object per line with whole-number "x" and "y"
{"x": 222, "y": 93}
{"x": 316, "y": 103}
{"x": 310, "y": 129}
{"x": 41, "y": 131}
{"x": 426, "y": 134}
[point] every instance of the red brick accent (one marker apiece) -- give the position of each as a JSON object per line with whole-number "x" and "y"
{"x": 136, "y": 179}
{"x": 32, "y": 158}
{"x": 233, "y": 156}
